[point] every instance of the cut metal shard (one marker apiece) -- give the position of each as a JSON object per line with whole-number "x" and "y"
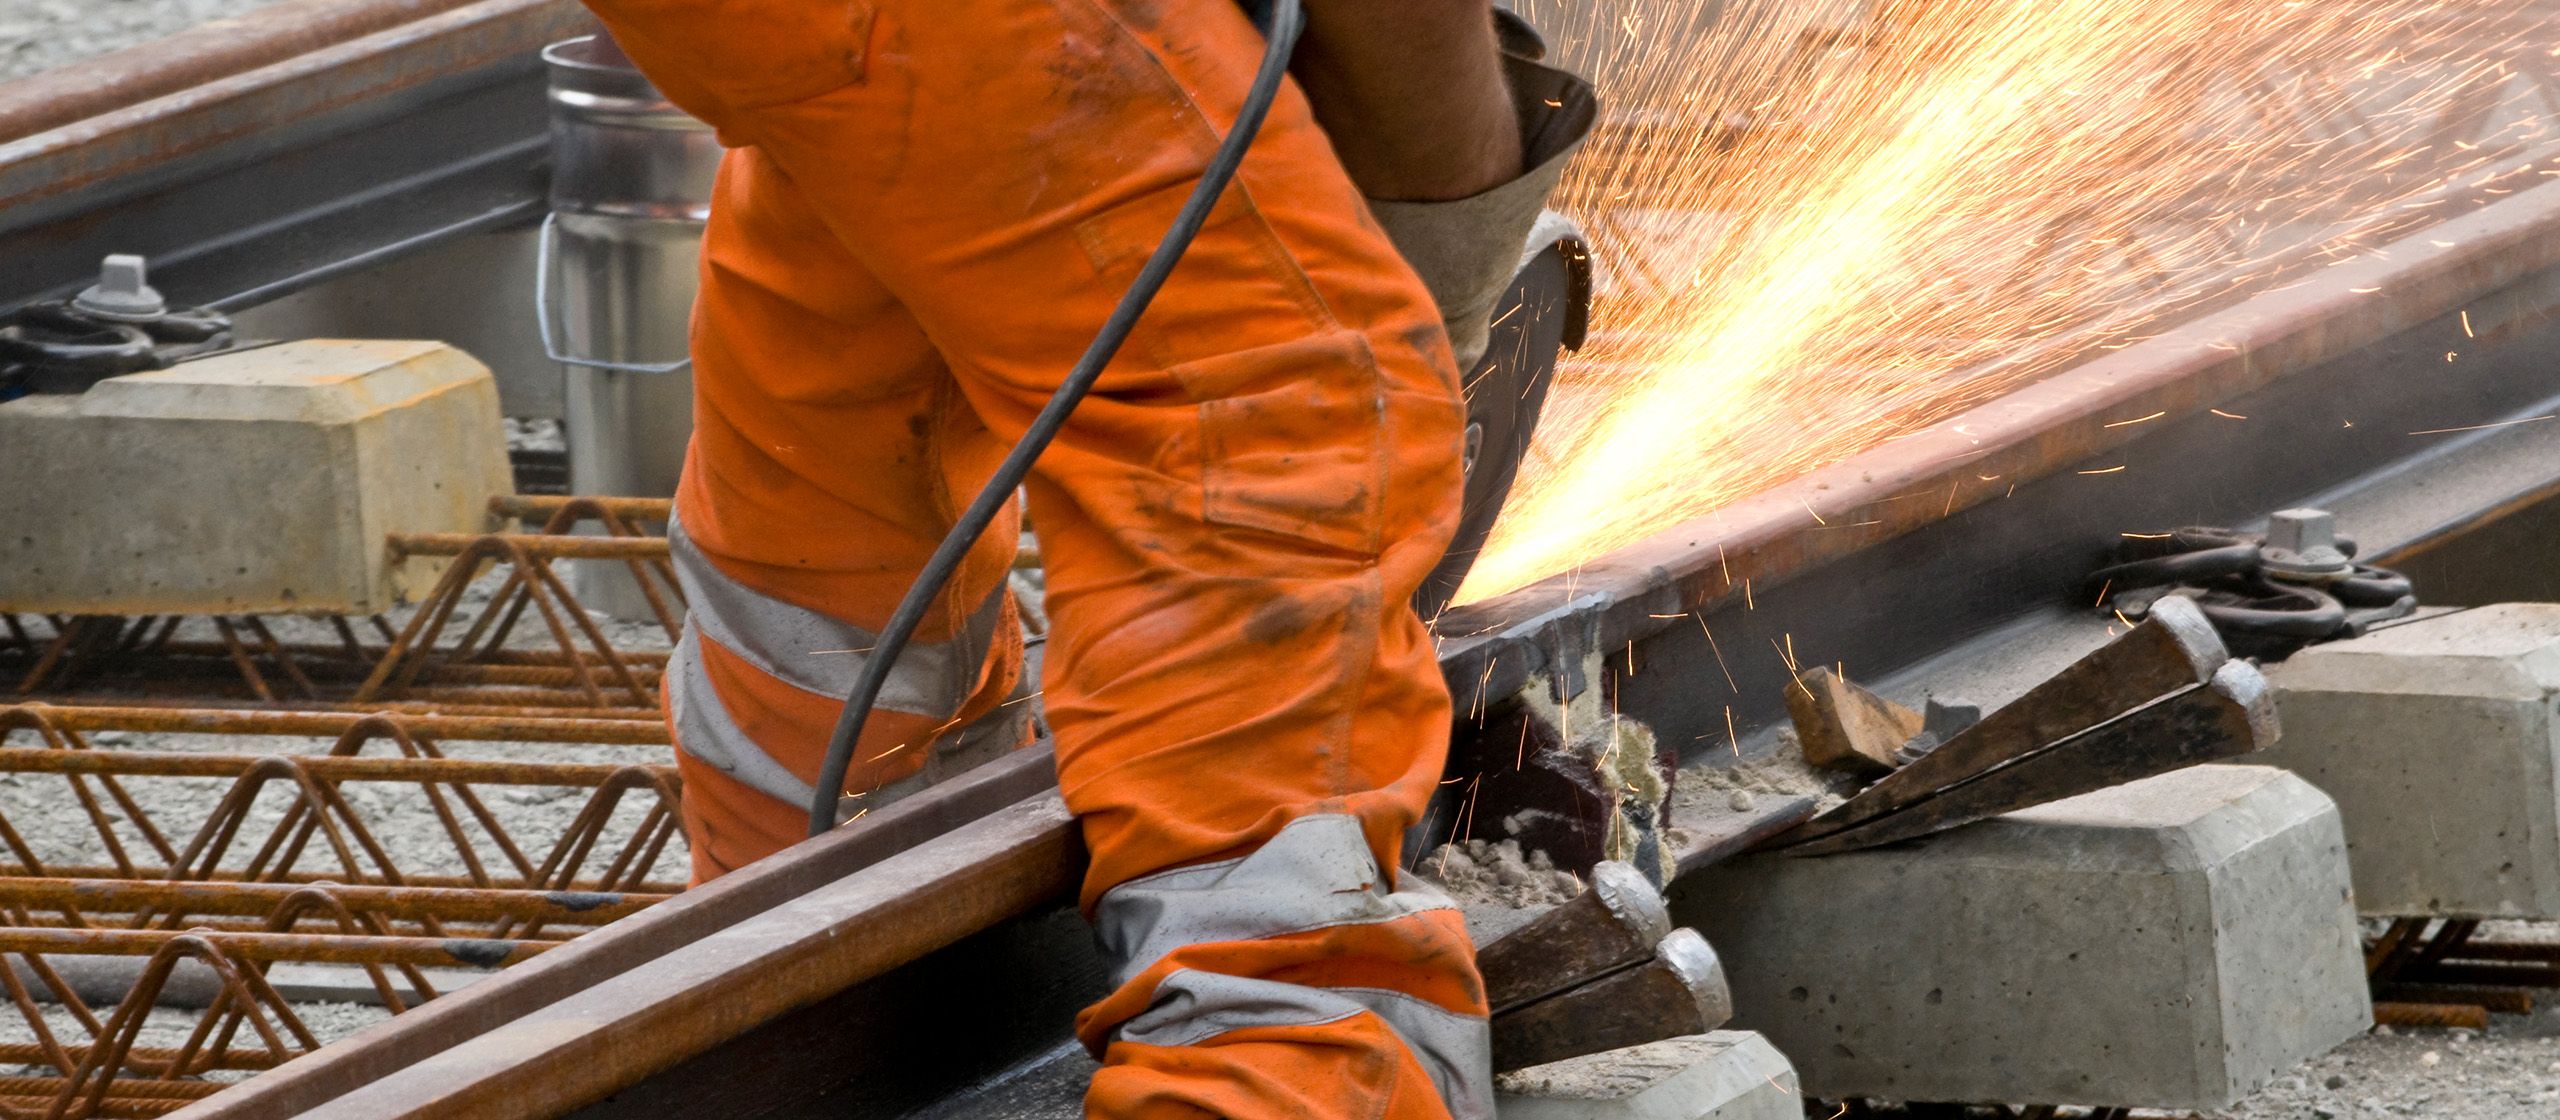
{"x": 2173, "y": 649}
{"x": 2232, "y": 714}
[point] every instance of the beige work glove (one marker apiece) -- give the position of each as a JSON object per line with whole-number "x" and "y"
{"x": 1468, "y": 250}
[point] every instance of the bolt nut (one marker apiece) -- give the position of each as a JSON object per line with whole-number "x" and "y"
{"x": 2302, "y": 545}
{"x": 122, "y": 293}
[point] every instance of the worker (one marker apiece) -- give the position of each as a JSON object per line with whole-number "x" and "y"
{"x": 928, "y": 208}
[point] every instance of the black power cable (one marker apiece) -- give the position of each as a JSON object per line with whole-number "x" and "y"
{"x": 1281, "y": 37}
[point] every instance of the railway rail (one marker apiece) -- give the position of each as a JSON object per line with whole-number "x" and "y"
{"x": 2323, "y": 368}
{"x": 276, "y": 156}
{"x": 299, "y": 142}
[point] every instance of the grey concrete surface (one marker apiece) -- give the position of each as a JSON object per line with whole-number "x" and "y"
{"x": 1723, "y": 1075}
{"x": 2437, "y": 741}
{"x": 2174, "y": 943}
{"x": 260, "y": 481}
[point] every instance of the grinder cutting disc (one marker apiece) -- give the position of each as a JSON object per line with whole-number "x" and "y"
{"x": 1546, "y": 312}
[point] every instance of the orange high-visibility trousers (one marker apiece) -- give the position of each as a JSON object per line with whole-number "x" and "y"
{"x": 930, "y": 208}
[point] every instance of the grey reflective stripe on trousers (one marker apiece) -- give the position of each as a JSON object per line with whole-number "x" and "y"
{"x": 802, "y": 648}
{"x": 705, "y": 731}
{"x": 1317, "y": 873}
{"x": 822, "y": 654}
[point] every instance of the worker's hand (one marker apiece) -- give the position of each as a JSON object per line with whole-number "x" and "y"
{"x": 1412, "y": 93}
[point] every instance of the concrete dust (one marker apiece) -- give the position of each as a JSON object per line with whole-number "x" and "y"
{"x": 1498, "y": 886}
{"x": 1498, "y": 873}
{"x": 1730, "y": 783}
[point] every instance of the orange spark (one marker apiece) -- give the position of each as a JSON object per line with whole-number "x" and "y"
{"x": 1824, "y": 224}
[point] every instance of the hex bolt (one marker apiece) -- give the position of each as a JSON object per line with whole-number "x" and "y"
{"x": 122, "y": 294}
{"x": 2302, "y": 544}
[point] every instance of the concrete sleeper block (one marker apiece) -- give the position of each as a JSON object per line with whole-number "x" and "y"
{"x": 2437, "y": 740}
{"x": 1721, "y": 1075}
{"x": 2172, "y": 943}
{"x": 255, "y": 482}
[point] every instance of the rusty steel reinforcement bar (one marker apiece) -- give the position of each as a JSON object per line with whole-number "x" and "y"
{"x": 430, "y": 659}
{"x": 468, "y": 952}
{"x": 307, "y": 880}
{"x": 2487, "y": 262}
{"x": 325, "y": 834}
{"x": 913, "y": 897}
{"x": 327, "y": 768}
{"x": 545, "y": 547}
{"x": 260, "y": 899}
{"x": 433, "y": 704}
{"x": 195, "y": 56}
{"x": 225, "y": 721}
{"x": 331, "y": 882}
{"x": 538, "y": 506}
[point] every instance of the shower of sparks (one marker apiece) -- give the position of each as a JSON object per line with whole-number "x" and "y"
{"x": 1822, "y": 224}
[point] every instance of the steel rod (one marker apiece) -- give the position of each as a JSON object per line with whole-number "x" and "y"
{"x": 227, "y": 721}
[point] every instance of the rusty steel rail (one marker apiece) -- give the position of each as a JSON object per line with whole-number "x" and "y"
{"x": 2249, "y": 360}
{"x": 1640, "y": 624}
{"x": 280, "y": 152}
{"x": 194, "y": 57}
{"x": 584, "y": 1047}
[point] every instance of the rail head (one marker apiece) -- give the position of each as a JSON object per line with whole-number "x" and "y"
{"x": 1492, "y": 647}
{"x": 204, "y": 53}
